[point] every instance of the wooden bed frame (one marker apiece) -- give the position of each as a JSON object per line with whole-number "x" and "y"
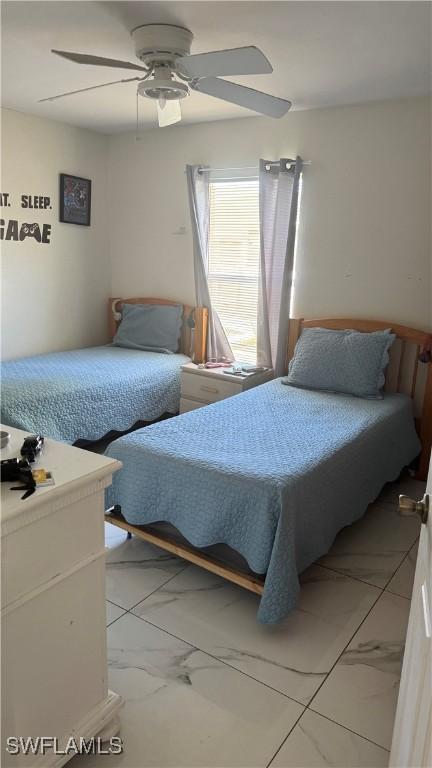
{"x": 404, "y": 374}
{"x": 193, "y": 345}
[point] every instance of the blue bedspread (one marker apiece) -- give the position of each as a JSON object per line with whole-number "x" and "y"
{"x": 85, "y": 393}
{"x": 274, "y": 473}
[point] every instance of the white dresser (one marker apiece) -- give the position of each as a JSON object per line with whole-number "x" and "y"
{"x": 202, "y": 386}
{"x": 54, "y": 666}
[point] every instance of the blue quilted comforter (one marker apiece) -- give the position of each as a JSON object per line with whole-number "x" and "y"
{"x": 85, "y": 393}
{"x": 274, "y": 473}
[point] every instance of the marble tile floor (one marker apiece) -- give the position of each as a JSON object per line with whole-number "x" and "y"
{"x": 205, "y": 685}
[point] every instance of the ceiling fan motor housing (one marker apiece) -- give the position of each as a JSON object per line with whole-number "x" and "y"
{"x": 161, "y": 42}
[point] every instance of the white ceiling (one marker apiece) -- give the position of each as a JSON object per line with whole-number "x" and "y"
{"x": 323, "y": 54}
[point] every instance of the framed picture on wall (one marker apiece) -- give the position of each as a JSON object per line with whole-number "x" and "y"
{"x": 75, "y": 200}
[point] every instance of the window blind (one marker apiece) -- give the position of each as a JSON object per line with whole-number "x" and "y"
{"x": 233, "y": 261}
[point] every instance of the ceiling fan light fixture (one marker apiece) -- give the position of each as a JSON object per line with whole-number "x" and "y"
{"x": 167, "y": 90}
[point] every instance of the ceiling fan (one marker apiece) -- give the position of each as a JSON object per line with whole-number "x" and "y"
{"x": 170, "y": 72}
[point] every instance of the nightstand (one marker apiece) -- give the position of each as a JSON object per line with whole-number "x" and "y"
{"x": 202, "y": 386}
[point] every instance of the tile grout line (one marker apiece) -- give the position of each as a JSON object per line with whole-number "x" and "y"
{"x": 116, "y": 604}
{"x": 344, "y": 649}
{"x": 221, "y": 661}
{"x": 383, "y": 591}
{"x": 187, "y": 565}
{"x": 150, "y": 593}
{"x": 360, "y": 735}
{"x": 399, "y": 566}
{"x": 129, "y": 610}
{"x": 396, "y": 594}
{"x": 114, "y": 620}
{"x": 369, "y": 583}
{"x": 308, "y": 706}
{"x": 356, "y": 578}
{"x": 365, "y": 738}
{"x": 285, "y": 739}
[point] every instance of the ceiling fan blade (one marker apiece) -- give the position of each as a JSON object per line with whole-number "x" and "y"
{"x": 169, "y": 113}
{"x": 248, "y": 60}
{"x": 100, "y": 61}
{"x": 91, "y": 88}
{"x": 260, "y": 102}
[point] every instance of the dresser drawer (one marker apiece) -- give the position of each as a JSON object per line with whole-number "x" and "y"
{"x": 207, "y": 389}
{"x": 37, "y": 553}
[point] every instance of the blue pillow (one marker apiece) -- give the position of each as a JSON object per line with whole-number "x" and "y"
{"x": 348, "y": 362}
{"x": 151, "y": 327}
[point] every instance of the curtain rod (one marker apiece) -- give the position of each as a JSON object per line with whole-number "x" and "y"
{"x": 254, "y": 167}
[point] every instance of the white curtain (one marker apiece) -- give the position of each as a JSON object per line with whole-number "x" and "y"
{"x": 278, "y": 201}
{"x": 198, "y": 192}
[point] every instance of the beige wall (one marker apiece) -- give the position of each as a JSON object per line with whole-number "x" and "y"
{"x": 364, "y": 245}
{"x": 53, "y": 296}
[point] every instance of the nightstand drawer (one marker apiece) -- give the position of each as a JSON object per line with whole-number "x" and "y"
{"x": 207, "y": 389}
{"x": 189, "y": 405}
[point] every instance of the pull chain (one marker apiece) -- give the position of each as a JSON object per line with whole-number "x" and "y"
{"x": 137, "y": 138}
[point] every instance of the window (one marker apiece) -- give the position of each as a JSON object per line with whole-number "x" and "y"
{"x": 233, "y": 266}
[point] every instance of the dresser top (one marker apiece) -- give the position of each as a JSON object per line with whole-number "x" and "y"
{"x": 71, "y": 468}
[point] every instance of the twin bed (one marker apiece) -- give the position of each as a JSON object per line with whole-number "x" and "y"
{"x": 85, "y": 394}
{"x": 256, "y": 487}
{"x": 253, "y": 488}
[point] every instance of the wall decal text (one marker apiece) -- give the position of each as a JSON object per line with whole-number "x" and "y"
{"x": 12, "y": 229}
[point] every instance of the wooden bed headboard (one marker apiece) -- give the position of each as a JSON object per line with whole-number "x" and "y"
{"x": 193, "y": 345}
{"x": 405, "y": 371}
